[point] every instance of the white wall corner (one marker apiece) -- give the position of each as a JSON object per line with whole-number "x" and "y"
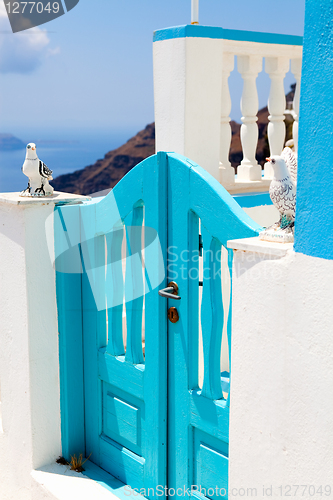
{"x": 169, "y": 94}
{"x": 29, "y": 358}
{"x": 187, "y": 93}
{"x": 16, "y": 438}
{"x": 282, "y": 370}
{"x": 43, "y": 336}
{"x": 204, "y": 58}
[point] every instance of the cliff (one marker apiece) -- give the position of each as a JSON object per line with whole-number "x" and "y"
{"x": 105, "y": 173}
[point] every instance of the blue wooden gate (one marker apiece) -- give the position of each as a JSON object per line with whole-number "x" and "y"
{"x": 145, "y": 417}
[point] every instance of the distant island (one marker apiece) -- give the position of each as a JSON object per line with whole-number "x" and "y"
{"x": 9, "y": 142}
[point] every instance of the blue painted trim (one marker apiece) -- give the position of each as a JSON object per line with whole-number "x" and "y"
{"x": 253, "y": 199}
{"x": 69, "y": 303}
{"x": 195, "y": 31}
{"x": 314, "y": 207}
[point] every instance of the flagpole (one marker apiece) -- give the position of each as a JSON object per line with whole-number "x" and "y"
{"x": 195, "y": 12}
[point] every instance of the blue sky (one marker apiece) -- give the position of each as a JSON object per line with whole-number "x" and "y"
{"x": 90, "y": 71}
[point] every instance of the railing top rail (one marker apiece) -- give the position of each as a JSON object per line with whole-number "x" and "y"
{"x": 195, "y": 31}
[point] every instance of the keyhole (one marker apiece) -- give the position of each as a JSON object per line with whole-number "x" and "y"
{"x": 173, "y": 315}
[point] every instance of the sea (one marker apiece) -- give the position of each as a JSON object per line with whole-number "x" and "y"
{"x": 62, "y": 155}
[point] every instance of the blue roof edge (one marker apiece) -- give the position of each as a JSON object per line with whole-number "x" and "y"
{"x": 198, "y": 31}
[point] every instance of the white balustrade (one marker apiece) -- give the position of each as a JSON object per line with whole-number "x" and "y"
{"x": 276, "y": 68}
{"x": 296, "y": 69}
{"x": 193, "y": 104}
{"x": 249, "y": 67}
{"x": 227, "y": 172}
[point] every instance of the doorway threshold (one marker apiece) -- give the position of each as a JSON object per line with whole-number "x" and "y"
{"x": 58, "y": 482}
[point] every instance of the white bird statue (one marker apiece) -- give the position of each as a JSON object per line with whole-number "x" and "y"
{"x": 38, "y": 173}
{"x": 290, "y": 144}
{"x": 282, "y": 192}
{"x": 290, "y": 158}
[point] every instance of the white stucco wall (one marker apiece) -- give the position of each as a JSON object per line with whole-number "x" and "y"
{"x": 29, "y": 359}
{"x": 282, "y": 366}
{"x": 15, "y": 440}
{"x": 265, "y": 215}
{"x": 281, "y": 430}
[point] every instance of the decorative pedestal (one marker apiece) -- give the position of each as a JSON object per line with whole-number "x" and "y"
{"x": 276, "y": 234}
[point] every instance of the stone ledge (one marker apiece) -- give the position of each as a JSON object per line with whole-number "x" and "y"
{"x": 58, "y": 198}
{"x": 240, "y": 187}
{"x": 259, "y": 246}
{"x": 59, "y": 482}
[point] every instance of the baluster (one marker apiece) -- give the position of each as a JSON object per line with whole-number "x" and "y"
{"x": 276, "y": 67}
{"x": 229, "y": 324}
{"x": 249, "y": 67}
{"x": 211, "y": 316}
{"x": 227, "y": 173}
{"x": 115, "y": 292}
{"x": 296, "y": 69}
{"x": 99, "y": 289}
{"x": 134, "y": 288}
{"x": 193, "y": 283}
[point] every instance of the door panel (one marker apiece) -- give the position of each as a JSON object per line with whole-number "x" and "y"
{"x": 125, "y": 391}
{"x": 198, "y": 419}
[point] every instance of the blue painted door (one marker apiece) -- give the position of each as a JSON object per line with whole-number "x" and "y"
{"x": 154, "y": 416}
{"x": 198, "y": 403}
{"x": 125, "y": 378}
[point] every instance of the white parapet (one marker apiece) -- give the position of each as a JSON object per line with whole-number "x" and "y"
{"x": 29, "y": 360}
{"x": 188, "y": 82}
{"x": 281, "y": 433}
{"x": 192, "y": 65}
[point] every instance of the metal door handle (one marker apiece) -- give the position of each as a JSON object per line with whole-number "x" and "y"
{"x": 170, "y": 292}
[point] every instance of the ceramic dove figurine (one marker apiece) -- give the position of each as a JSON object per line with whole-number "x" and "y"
{"x": 38, "y": 173}
{"x": 291, "y": 161}
{"x": 283, "y": 195}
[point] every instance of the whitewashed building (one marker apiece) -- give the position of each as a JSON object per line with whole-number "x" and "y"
{"x": 69, "y": 349}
